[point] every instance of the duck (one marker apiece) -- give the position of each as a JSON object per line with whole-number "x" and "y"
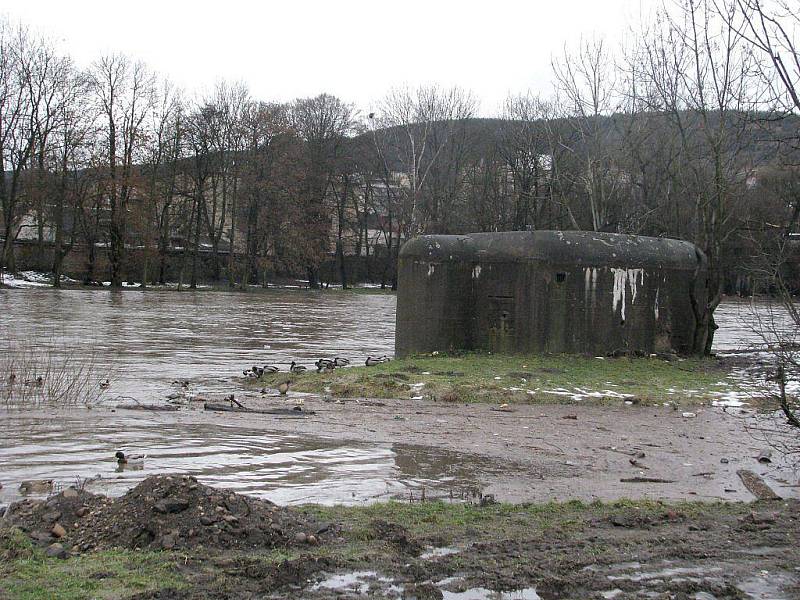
{"x": 259, "y": 371}
{"x": 375, "y": 360}
{"x": 325, "y": 364}
{"x": 105, "y": 384}
{"x": 283, "y": 388}
{"x": 341, "y": 362}
{"x": 295, "y": 368}
{"x": 270, "y": 369}
{"x": 250, "y": 374}
{"x": 36, "y": 486}
{"x": 36, "y": 382}
{"x": 129, "y": 459}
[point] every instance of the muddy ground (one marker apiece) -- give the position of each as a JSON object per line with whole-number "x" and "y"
{"x": 540, "y": 453}
{"x": 421, "y": 550}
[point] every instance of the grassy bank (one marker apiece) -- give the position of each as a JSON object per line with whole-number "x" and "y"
{"x": 497, "y": 544}
{"x": 542, "y": 379}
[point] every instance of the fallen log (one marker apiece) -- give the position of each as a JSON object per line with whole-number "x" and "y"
{"x": 297, "y": 410}
{"x": 157, "y": 407}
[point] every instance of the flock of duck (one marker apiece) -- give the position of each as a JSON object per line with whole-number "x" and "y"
{"x": 323, "y": 365}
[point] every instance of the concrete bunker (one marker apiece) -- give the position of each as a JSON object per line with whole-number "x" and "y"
{"x": 548, "y": 291}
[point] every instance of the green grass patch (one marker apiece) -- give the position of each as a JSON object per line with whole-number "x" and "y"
{"x": 26, "y": 573}
{"x": 534, "y": 379}
{"x": 451, "y": 523}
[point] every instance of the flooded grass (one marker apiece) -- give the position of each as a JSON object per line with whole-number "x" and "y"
{"x": 533, "y": 379}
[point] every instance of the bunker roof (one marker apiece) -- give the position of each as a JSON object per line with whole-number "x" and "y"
{"x": 575, "y": 248}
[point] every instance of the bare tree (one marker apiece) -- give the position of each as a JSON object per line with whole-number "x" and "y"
{"x": 419, "y": 126}
{"x": 124, "y": 92}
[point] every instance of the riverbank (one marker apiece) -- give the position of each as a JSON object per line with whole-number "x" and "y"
{"x": 424, "y": 549}
{"x": 544, "y": 379}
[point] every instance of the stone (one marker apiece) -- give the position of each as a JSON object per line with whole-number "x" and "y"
{"x": 82, "y": 511}
{"x": 300, "y": 537}
{"x": 58, "y": 530}
{"x": 230, "y": 519}
{"x": 171, "y": 505}
{"x": 204, "y": 520}
{"x": 56, "y": 551}
{"x": 311, "y": 539}
{"x": 70, "y": 493}
{"x": 52, "y": 516}
{"x": 168, "y": 542}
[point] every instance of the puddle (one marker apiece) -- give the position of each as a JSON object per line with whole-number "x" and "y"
{"x": 672, "y": 573}
{"x": 437, "y": 552}
{"x": 284, "y": 468}
{"x": 357, "y": 581}
{"x": 484, "y": 594}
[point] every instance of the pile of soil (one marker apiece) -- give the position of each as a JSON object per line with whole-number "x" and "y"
{"x": 164, "y": 512}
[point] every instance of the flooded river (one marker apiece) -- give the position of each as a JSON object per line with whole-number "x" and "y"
{"x": 146, "y": 340}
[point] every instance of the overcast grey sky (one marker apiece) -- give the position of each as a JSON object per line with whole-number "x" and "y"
{"x": 354, "y": 49}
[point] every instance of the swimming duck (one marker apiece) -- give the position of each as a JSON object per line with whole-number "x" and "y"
{"x": 341, "y": 362}
{"x": 295, "y": 368}
{"x": 105, "y": 384}
{"x": 283, "y": 388}
{"x": 129, "y": 459}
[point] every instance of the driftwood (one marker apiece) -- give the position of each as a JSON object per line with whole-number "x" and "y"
{"x": 646, "y": 480}
{"x": 297, "y": 410}
{"x": 157, "y": 407}
{"x": 756, "y": 486}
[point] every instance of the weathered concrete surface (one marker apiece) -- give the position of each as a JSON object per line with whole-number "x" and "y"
{"x": 547, "y": 291}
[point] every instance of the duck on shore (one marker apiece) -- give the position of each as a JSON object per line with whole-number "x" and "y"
{"x": 325, "y": 365}
{"x": 376, "y": 360}
{"x": 295, "y": 368}
{"x": 341, "y": 362}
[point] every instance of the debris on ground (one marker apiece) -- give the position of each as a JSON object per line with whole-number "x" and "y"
{"x": 162, "y": 512}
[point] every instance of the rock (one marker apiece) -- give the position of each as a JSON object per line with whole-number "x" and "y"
{"x": 422, "y": 591}
{"x": 70, "y": 493}
{"x": 168, "y": 542}
{"x": 300, "y": 537}
{"x": 82, "y": 511}
{"x": 171, "y": 505}
{"x": 230, "y": 519}
{"x": 52, "y": 516}
{"x": 312, "y": 540}
{"x": 205, "y": 520}
{"x": 56, "y": 551}
{"x": 688, "y": 415}
{"x": 58, "y": 531}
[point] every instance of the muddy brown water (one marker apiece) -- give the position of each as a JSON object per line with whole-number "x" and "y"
{"x": 282, "y": 467}
{"x": 149, "y": 339}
